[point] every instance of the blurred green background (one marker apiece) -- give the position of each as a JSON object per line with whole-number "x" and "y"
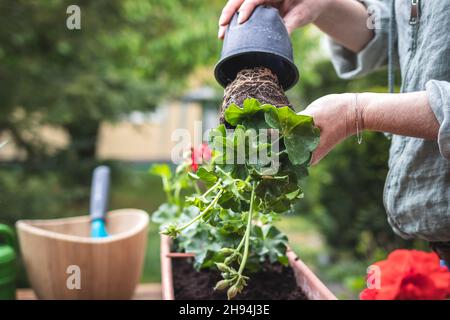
{"x": 132, "y": 55}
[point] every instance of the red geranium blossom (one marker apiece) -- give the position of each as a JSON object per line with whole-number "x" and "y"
{"x": 199, "y": 155}
{"x": 410, "y": 275}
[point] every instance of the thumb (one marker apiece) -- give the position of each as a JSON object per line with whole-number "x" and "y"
{"x": 314, "y": 159}
{"x": 308, "y": 111}
{"x": 304, "y": 112}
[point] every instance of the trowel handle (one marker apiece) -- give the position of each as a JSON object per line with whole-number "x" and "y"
{"x": 99, "y": 192}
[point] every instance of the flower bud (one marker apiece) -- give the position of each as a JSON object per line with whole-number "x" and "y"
{"x": 232, "y": 292}
{"x": 226, "y": 251}
{"x": 171, "y": 231}
{"x": 229, "y": 260}
{"x": 222, "y": 284}
{"x": 223, "y": 267}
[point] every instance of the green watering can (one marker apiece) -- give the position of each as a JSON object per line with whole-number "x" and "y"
{"x": 7, "y": 263}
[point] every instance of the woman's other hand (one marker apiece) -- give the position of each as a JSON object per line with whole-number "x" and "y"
{"x": 335, "y": 116}
{"x": 339, "y": 116}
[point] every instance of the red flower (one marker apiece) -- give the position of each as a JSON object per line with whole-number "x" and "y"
{"x": 410, "y": 275}
{"x": 199, "y": 155}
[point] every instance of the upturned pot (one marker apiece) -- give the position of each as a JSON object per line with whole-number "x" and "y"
{"x": 311, "y": 285}
{"x": 261, "y": 41}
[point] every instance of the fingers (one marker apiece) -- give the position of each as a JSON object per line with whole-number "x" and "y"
{"x": 221, "y": 33}
{"x": 296, "y": 18}
{"x": 283, "y": 7}
{"x": 294, "y": 15}
{"x": 318, "y": 154}
{"x": 247, "y": 8}
{"x": 314, "y": 159}
{"x": 228, "y": 11}
{"x": 308, "y": 111}
{"x": 290, "y": 26}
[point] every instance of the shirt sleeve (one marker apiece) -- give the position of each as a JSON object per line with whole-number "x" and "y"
{"x": 349, "y": 65}
{"x": 439, "y": 99}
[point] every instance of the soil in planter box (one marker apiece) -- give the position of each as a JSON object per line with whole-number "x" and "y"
{"x": 274, "y": 282}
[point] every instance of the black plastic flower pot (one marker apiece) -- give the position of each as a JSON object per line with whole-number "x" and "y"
{"x": 262, "y": 41}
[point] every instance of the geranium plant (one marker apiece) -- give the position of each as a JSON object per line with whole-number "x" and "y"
{"x": 408, "y": 275}
{"x": 253, "y": 176}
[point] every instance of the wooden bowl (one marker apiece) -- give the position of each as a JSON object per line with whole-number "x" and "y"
{"x": 63, "y": 262}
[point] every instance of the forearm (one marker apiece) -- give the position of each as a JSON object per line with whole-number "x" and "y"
{"x": 406, "y": 114}
{"x": 346, "y": 22}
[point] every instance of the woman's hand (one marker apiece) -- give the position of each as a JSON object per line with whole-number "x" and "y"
{"x": 295, "y": 13}
{"x": 338, "y": 116}
{"x": 335, "y": 116}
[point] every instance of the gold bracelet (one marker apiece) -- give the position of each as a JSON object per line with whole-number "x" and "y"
{"x": 359, "y": 128}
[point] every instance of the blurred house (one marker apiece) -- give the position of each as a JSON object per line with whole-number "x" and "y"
{"x": 143, "y": 136}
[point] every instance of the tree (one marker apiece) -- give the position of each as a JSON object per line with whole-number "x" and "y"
{"x": 128, "y": 55}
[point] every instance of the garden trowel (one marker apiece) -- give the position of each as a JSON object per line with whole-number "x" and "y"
{"x": 99, "y": 201}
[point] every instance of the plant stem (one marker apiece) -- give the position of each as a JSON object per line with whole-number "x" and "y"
{"x": 276, "y": 140}
{"x": 201, "y": 214}
{"x": 166, "y": 187}
{"x": 247, "y": 232}
{"x": 239, "y": 247}
{"x": 212, "y": 188}
{"x": 177, "y": 196}
{"x": 197, "y": 189}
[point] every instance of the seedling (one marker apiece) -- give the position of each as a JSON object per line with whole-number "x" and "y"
{"x": 229, "y": 225}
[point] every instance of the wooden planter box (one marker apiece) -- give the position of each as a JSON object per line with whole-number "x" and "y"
{"x": 306, "y": 279}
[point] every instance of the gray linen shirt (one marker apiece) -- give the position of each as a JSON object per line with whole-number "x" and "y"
{"x": 417, "y": 189}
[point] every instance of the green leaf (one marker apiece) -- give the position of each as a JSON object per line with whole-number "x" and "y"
{"x": 294, "y": 194}
{"x": 222, "y": 143}
{"x": 198, "y": 241}
{"x": 166, "y": 213}
{"x": 270, "y": 242}
{"x": 278, "y": 193}
{"x": 300, "y": 136}
{"x": 217, "y": 133}
{"x": 284, "y": 119}
{"x": 206, "y": 176}
{"x": 239, "y": 137}
{"x": 283, "y": 260}
{"x": 301, "y": 142}
{"x": 257, "y": 121}
{"x": 229, "y": 201}
{"x": 231, "y": 222}
{"x": 162, "y": 170}
{"x": 234, "y": 114}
